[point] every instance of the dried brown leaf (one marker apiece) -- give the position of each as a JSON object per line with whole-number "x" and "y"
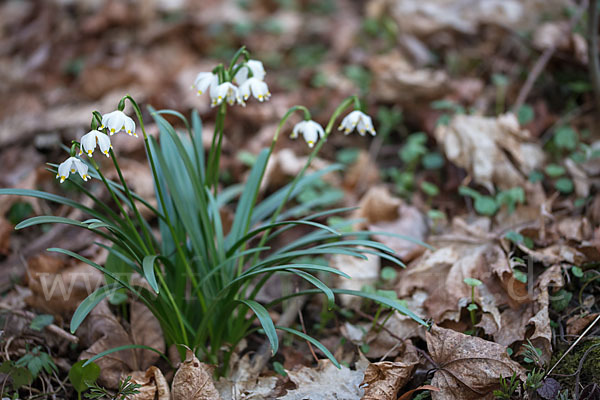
{"x": 408, "y": 395}
{"x": 384, "y": 379}
{"x": 478, "y": 144}
{"x": 193, "y": 381}
{"x": 325, "y": 382}
{"x": 469, "y": 367}
{"x": 154, "y": 385}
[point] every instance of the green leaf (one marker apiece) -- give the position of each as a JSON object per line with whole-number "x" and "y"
{"x": 485, "y": 205}
{"x": 313, "y": 341}
{"x": 82, "y": 377}
{"x": 278, "y": 368}
{"x": 388, "y": 274}
{"x": 316, "y": 282}
{"x": 89, "y": 303}
{"x": 41, "y": 321}
{"x": 536, "y": 176}
{"x": 347, "y": 156}
{"x": 432, "y": 160}
{"x": 265, "y": 320}
{"x": 565, "y": 137}
{"x": 554, "y": 170}
{"x": 472, "y": 282}
{"x": 560, "y": 300}
{"x": 18, "y": 212}
{"x": 126, "y": 347}
{"x": 430, "y": 189}
{"x": 577, "y": 272}
{"x": 520, "y": 275}
{"x": 148, "y": 267}
{"x": 525, "y": 114}
{"x": 20, "y": 375}
{"x": 564, "y": 185}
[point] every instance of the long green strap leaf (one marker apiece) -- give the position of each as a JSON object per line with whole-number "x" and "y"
{"x": 90, "y": 302}
{"x": 312, "y": 340}
{"x": 148, "y": 267}
{"x": 266, "y": 322}
{"x": 127, "y": 347}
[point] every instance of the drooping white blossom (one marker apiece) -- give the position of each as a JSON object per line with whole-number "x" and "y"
{"x": 257, "y": 68}
{"x": 93, "y": 138}
{"x": 70, "y": 166}
{"x": 310, "y": 130}
{"x": 359, "y": 120}
{"x": 256, "y": 87}
{"x": 204, "y": 81}
{"x": 225, "y": 92}
{"x": 118, "y": 121}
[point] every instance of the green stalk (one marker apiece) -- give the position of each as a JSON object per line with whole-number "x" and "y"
{"x": 180, "y": 252}
{"x": 116, "y": 200}
{"x": 133, "y": 205}
{"x": 348, "y": 101}
{"x": 175, "y": 307}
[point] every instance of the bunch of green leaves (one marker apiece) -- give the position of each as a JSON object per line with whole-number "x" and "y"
{"x": 414, "y": 154}
{"x": 202, "y": 280}
{"x": 508, "y": 387}
{"x": 126, "y": 390}
{"x": 19, "y": 376}
{"x": 488, "y": 205}
{"x": 37, "y": 361}
{"x": 449, "y": 107}
{"x": 83, "y": 375}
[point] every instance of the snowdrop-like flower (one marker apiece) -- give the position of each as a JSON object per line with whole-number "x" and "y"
{"x": 205, "y": 81}
{"x": 258, "y": 72}
{"x": 359, "y": 120}
{"x": 89, "y": 141}
{"x": 72, "y": 165}
{"x": 258, "y": 88}
{"x": 117, "y": 121}
{"x": 311, "y": 131}
{"x": 225, "y": 91}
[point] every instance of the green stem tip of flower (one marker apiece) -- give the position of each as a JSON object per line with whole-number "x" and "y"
{"x": 121, "y": 105}
{"x": 241, "y": 51}
{"x": 74, "y": 147}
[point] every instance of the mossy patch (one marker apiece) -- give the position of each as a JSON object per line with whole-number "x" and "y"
{"x": 590, "y": 369}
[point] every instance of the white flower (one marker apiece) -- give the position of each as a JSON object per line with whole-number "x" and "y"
{"x": 357, "y": 119}
{"x": 311, "y": 131}
{"x": 72, "y": 165}
{"x": 258, "y": 72}
{"x": 204, "y": 81}
{"x": 225, "y": 91}
{"x": 117, "y": 121}
{"x": 89, "y": 141}
{"x": 258, "y": 88}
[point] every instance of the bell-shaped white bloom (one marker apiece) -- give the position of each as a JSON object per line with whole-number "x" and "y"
{"x": 93, "y": 138}
{"x": 258, "y": 72}
{"x": 70, "y": 166}
{"x": 311, "y": 131}
{"x": 359, "y": 120}
{"x": 117, "y": 121}
{"x": 204, "y": 81}
{"x": 225, "y": 91}
{"x": 256, "y": 87}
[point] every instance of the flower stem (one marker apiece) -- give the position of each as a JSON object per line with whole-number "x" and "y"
{"x": 180, "y": 252}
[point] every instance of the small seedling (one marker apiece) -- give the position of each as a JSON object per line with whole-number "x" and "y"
{"x": 83, "y": 377}
{"x": 41, "y": 321}
{"x": 36, "y": 360}
{"x": 472, "y": 308}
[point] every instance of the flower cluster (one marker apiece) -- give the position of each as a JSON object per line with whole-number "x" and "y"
{"x": 312, "y": 131}
{"x": 249, "y": 76}
{"x": 113, "y": 122}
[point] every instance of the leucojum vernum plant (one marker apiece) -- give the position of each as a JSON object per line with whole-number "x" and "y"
{"x": 199, "y": 280}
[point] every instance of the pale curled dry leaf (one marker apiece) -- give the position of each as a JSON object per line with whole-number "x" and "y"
{"x": 478, "y": 144}
{"x": 154, "y": 385}
{"x": 325, "y": 382}
{"x": 395, "y": 79}
{"x": 384, "y": 379}
{"x": 193, "y": 381}
{"x": 469, "y": 367}
{"x": 243, "y": 384}
{"x": 104, "y": 332}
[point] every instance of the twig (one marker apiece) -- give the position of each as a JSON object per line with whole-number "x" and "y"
{"x": 312, "y": 351}
{"x": 573, "y": 345}
{"x": 539, "y": 66}
{"x": 58, "y": 331}
{"x": 593, "y": 50}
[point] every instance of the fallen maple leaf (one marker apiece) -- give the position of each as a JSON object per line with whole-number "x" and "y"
{"x": 468, "y": 367}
